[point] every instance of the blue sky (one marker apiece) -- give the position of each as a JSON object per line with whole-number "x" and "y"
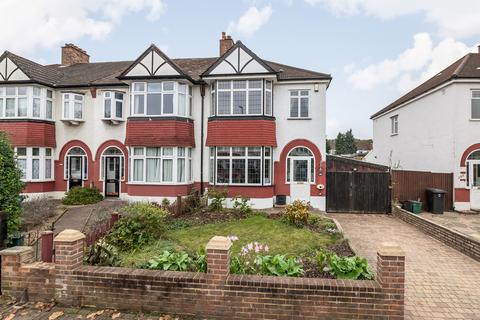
{"x": 375, "y": 50}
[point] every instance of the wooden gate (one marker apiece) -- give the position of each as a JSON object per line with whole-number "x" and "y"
{"x": 357, "y": 187}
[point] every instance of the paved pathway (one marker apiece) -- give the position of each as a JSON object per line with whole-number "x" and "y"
{"x": 441, "y": 283}
{"x": 467, "y": 224}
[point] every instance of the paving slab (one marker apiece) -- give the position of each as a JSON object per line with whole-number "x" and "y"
{"x": 467, "y": 224}
{"x": 440, "y": 282}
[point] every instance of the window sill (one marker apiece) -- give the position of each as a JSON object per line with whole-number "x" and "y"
{"x": 114, "y": 121}
{"x": 393, "y": 134}
{"x": 74, "y": 122}
{"x": 159, "y": 183}
{"x": 474, "y": 120}
{"x": 299, "y": 118}
{"x": 37, "y": 180}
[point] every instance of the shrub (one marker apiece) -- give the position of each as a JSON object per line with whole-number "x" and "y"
{"x": 200, "y": 261}
{"x": 349, "y": 268}
{"x": 140, "y": 224}
{"x": 82, "y": 195}
{"x": 102, "y": 254}
{"x": 240, "y": 203}
{"x": 192, "y": 203}
{"x": 11, "y": 185}
{"x": 279, "y": 265}
{"x": 170, "y": 260}
{"x": 37, "y": 211}
{"x": 297, "y": 213}
{"x": 217, "y": 198}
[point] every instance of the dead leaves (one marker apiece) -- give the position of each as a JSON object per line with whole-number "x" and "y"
{"x": 10, "y": 316}
{"x": 56, "y": 315}
{"x": 116, "y": 315}
{"x": 95, "y": 314}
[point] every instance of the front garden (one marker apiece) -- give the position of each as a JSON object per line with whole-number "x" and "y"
{"x": 294, "y": 242}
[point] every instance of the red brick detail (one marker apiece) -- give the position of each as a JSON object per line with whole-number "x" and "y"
{"x": 71, "y": 54}
{"x": 462, "y": 195}
{"x": 247, "y": 191}
{"x": 281, "y": 187}
{"x": 155, "y": 190}
{"x": 44, "y": 186}
{"x": 60, "y": 182}
{"x": 467, "y": 152}
{"x": 98, "y": 161}
{"x": 160, "y": 132}
{"x": 30, "y": 133}
{"x": 242, "y": 133}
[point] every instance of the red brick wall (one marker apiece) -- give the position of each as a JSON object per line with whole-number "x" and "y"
{"x": 462, "y": 195}
{"x": 157, "y": 132}
{"x": 248, "y": 191}
{"x": 215, "y": 294}
{"x": 33, "y": 187}
{"x": 156, "y": 190}
{"x": 242, "y": 133}
{"x": 30, "y": 133}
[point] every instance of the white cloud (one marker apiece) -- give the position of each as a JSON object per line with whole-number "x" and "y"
{"x": 30, "y": 24}
{"x": 251, "y": 21}
{"x": 412, "y": 66}
{"x": 456, "y": 19}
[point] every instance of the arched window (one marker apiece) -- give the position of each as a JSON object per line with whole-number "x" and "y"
{"x": 112, "y": 152}
{"x": 473, "y": 169}
{"x": 300, "y": 166}
{"x": 475, "y": 155}
{"x": 76, "y": 166}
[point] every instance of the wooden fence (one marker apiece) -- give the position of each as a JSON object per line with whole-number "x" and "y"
{"x": 411, "y": 185}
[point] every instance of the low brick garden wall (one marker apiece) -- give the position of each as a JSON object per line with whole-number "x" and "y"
{"x": 215, "y": 294}
{"x": 451, "y": 238}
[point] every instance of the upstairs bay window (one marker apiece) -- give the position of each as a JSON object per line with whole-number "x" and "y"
{"x": 26, "y": 102}
{"x": 241, "y": 97}
{"x": 73, "y": 105}
{"x": 161, "y": 165}
{"x": 241, "y": 165}
{"x": 161, "y": 99}
{"x": 112, "y": 105}
{"x": 36, "y": 163}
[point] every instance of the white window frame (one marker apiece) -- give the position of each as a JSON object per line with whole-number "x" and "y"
{"x": 41, "y": 157}
{"x": 475, "y": 95}
{"x": 298, "y": 95}
{"x": 174, "y": 156}
{"x": 30, "y": 98}
{"x": 289, "y": 166}
{"x": 268, "y": 90}
{"x": 394, "y": 125}
{"x": 247, "y": 91}
{"x": 111, "y": 96}
{"x": 121, "y": 162}
{"x": 70, "y": 98}
{"x": 175, "y": 91}
{"x": 214, "y": 157}
{"x": 66, "y": 162}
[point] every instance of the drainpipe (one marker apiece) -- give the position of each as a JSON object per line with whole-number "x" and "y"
{"x": 202, "y": 93}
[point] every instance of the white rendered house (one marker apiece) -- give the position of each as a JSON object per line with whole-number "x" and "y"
{"x": 436, "y": 127}
{"x": 156, "y": 127}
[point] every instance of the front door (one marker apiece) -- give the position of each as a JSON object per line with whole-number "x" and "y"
{"x": 112, "y": 176}
{"x": 474, "y": 179}
{"x": 75, "y": 172}
{"x": 300, "y": 179}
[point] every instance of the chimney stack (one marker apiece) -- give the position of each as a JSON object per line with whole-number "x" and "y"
{"x": 71, "y": 54}
{"x": 226, "y": 42}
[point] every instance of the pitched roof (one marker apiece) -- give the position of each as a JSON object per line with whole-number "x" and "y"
{"x": 110, "y": 73}
{"x": 466, "y": 67}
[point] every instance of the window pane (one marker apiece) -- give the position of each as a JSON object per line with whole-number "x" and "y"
{"x": 22, "y": 107}
{"x": 168, "y": 85}
{"x": 49, "y": 110}
{"x": 1, "y": 106}
{"x": 254, "y": 151}
{"x": 224, "y": 84}
{"x": 138, "y": 151}
{"x": 118, "y": 109}
{"x": 35, "y": 152}
{"x": 48, "y": 152}
{"x": 154, "y": 104}
{"x": 153, "y": 152}
{"x": 139, "y": 104}
{"x": 77, "y": 110}
{"x": 239, "y": 102}
{"x": 48, "y": 168}
{"x": 35, "y": 168}
{"x": 181, "y": 170}
{"x": 300, "y": 170}
{"x": 293, "y": 107}
{"x": 211, "y": 171}
{"x": 138, "y": 170}
{"x": 22, "y": 91}
{"x": 138, "y": 86}
{"x": 254, "y": 102}
{"x": 268, "y": 151}
{"x": 21, "y": 151}
{"x": 10, "y": 107}
{"x": 238, "y": 151}
{"x": 181, "y": 152}
{"x": 182, "y": 104}
{"x": 223, "y": 170}
{"x": 238, "y": 170}
{"x": 168, "y": 103}
{"x": 224, "y": 101}
{"x": 212, "y": 104}
{"x": 304, "y": 107}
{"x": 108, "y": 108}
{"x": 475, "y": 108}
{"x": 294, "y": 93}
{"x": 36, "y": 91}
{"x": 78, "y": 97}
{"x": 154, "y": 87}
{"x": 167, "y": 170}
{"x": 239, "y": 84}
{"x": 11, "y": 91}
{"x": 269, "y": 85}
{"x": 223, "y": 151}
{"x": 288, "y": 169}
{"x": 268, "y": 103}
{"x": 254, "y": 170}
{"x": 304, "y": 93}
{"x": 182, "y": 88}
{"x": 153, "y": 169}
{"x": 255, "y": 84}
{"x": 118, "y": 96}
{"x": 266, "y": 170}
{"x": 22, "y": 165}
{"x": 49, "y": 94}
{"x": 167, "y": 151}
{"x": 66, "y": 113}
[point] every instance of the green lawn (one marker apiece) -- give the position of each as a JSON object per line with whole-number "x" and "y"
{"x": 280, "y": 237}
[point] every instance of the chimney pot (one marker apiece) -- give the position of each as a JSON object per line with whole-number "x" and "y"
{"x": 71, "y": 54}
{"x": 226, "y": 42}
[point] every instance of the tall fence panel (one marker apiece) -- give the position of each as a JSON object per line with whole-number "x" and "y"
{"x": 411, "y": 185}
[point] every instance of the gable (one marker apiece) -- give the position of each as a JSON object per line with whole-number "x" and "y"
{"x": 152, "y": 63}
{"x": 239, "y": 60}
{"x": 9, "y": 71}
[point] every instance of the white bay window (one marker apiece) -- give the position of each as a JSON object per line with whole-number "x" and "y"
{"x": 26, "y": 102}
{"x": 112, "y": 105}
{"x": 73, "y": 105}
{"x": 36, "y": 163}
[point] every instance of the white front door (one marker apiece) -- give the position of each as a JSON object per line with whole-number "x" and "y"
{"x": 300, "y": 172}
{"x": 474, "y": 181}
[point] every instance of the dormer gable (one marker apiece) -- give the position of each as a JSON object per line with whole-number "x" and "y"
{"x": 9, "y": 71}
{"x": 153, "y": 63}
{"x": 238, "y": 60}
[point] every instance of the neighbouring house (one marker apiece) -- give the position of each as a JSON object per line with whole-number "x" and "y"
{"x": 157, "y": 127}
{"x": 436, "y": 127}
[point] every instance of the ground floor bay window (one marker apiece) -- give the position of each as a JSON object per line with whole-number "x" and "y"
{"x": 36, "y": 163}
{"x": 241, "y": 165}
{"x": 160, "y": 165}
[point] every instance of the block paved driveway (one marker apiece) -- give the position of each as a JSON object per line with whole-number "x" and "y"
{"x": 441, "y": 283}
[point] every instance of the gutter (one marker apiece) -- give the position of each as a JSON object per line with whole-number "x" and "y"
{"x": 202, "y": 94}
